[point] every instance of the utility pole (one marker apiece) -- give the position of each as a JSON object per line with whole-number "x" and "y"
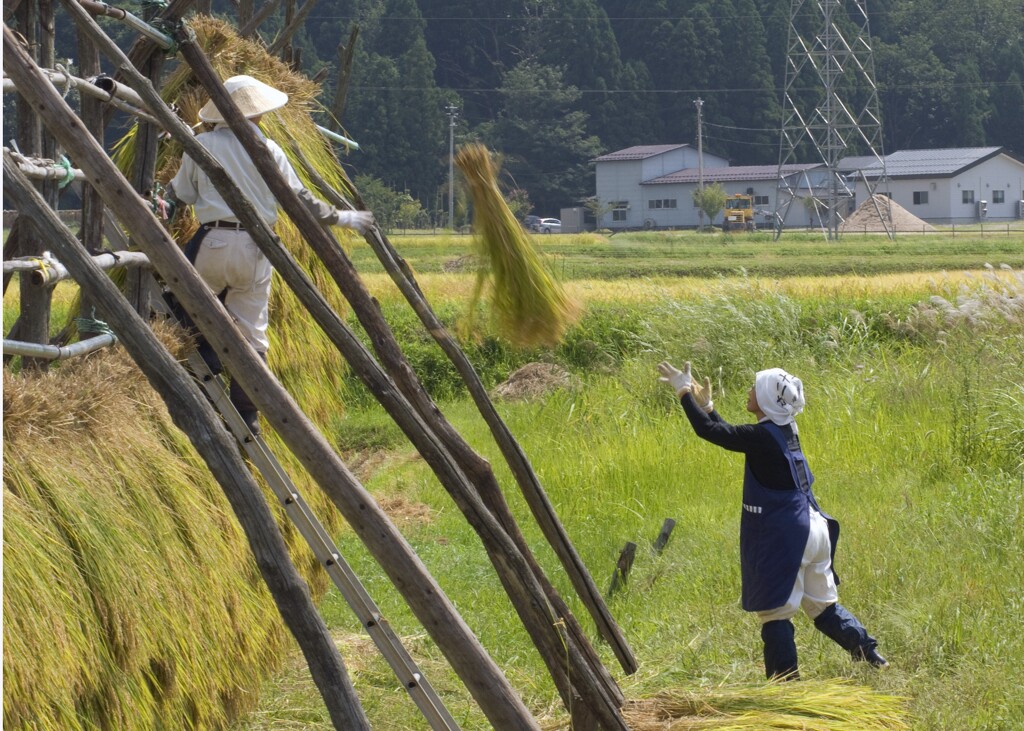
{"x": 700, "y": 155}
{"x": 453, "y": 114}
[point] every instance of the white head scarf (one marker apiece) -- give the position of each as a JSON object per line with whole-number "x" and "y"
{"x": 780, "y": 395}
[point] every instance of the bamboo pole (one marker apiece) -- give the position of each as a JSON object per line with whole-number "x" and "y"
{"x": 34, "y": 169}
{"x": 49, "y": 271}
{"x": 483, "y": 678}
{"x": 514, "y": 568}
{"x": 191, "y": 412}
{"x": 99, "y": 87}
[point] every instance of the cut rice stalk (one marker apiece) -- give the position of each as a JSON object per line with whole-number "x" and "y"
{"x": 528, "y": 305}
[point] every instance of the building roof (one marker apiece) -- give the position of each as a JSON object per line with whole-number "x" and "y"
{"x": 730, "y": 174}
{"x": 639, "y": 152}
{"x": 943, "y": 163}
{"x": 856, "y": 162}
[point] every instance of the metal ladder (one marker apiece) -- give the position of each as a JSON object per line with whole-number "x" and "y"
{"x": 404, "y": 667}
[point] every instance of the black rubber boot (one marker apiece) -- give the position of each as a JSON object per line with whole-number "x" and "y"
{"x": 245, "y": 406}
{"x": 779, "y": 650}
{"x": 840, "y": 626}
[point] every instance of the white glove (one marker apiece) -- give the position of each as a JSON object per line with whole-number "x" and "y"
{"x": 702, "y": 395}
{"x": 360, "y": 221}
{"x": 680, "y": 380}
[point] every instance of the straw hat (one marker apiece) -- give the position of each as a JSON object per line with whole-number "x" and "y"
{"x": 252, "y": 97}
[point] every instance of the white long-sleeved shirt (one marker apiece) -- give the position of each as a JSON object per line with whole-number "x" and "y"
{"x": 191, "y": 185}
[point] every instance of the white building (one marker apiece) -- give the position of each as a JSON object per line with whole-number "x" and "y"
{"x": 621, "y": 175}
{"x": 651, "y": 186}
{"x": 961, "y": 185}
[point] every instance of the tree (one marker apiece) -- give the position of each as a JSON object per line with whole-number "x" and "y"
{"x": 542, "y": 135}
{"x": 711, "y": 200}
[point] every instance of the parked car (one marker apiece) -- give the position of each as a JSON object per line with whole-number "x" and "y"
{"x": 530, "y": 223}
{"x": 550, "y": 226}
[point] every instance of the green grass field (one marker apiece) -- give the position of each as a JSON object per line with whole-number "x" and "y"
{"x": 914, "y": 428}
{"x": 912, "y": 354}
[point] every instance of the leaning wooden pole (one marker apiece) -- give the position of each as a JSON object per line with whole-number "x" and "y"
{"x": 191, "y": 412}
{"x": 537, "y": 499}
{"x": 557, "y": 648}
{"x": 494, "y": 694}
{"x": 491, "y": 492}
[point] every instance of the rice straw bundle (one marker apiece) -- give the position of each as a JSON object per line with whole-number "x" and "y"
{"x": 813, "y": 705}
{"x": 528, "y": 305}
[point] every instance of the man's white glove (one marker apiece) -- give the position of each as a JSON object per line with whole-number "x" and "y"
{"x": 360, "y": 221}
{"x": 680, "y": 380}
{"x": 702, "y": 395}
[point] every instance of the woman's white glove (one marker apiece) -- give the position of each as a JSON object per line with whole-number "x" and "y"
{"x": 680, "y": 380}
{"x": 360, "y": 221}
{"x": 702, "y": 395}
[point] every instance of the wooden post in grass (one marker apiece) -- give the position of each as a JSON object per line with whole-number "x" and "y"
{"x": 499, "y": 702}
{"x": 193, "y": 414}
{"x": 663, "y": 535}
{"x": 529, "y": 484}
{"x": 620, "y": 576}
{"x": 578, "y": 675}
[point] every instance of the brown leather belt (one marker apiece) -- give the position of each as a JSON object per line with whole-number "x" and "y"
{"x": 233, "y": 225}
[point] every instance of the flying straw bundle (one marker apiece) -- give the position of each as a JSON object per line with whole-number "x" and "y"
{"x": 529, "y": 306}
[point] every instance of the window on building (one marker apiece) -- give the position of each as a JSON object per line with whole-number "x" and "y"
{"x": 967, "y": 196}
{"x": 920, "y": 197}
{"x": 760, "y": 200}
{"x": 662, "y": 203}
{"x": 998, "y": 196}
{"x": 620, "y": 210}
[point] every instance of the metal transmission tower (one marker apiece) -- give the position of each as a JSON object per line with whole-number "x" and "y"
{"x": 830, "y": 110}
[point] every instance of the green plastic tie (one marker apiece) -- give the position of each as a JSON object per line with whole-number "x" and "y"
{"x": 69, "y": 172}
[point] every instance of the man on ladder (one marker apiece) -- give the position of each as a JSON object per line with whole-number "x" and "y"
{"x": 223, "y": 252}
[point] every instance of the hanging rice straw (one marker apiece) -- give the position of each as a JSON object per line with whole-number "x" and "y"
{"x": 528, "y": 305}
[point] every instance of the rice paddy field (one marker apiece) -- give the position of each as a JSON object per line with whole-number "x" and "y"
{"x": 911, "y": 353}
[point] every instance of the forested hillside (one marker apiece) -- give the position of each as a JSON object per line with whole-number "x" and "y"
{"x": 553, "y": 83}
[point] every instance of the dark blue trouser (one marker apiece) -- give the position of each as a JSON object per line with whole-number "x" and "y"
{"x": 839, "y": 625}
{"x": 779, "y": 649}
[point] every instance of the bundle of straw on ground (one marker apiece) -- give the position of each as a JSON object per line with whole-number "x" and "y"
{"x": 131, "y": 599}
{"x": 811, "y": 705}
{"x": 528, "y": 305}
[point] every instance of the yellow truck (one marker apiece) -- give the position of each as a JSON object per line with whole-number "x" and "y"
{"x": 739, "y": 213}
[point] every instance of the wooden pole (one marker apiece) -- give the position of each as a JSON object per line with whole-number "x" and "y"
{"x": 489, "y": 488}
{"x": 91, "y": 231}
{"x": 250, "y": 28}
{"x": 346, "y": 54}
{"x": 191, "y": 412}
{"x": 484, "y": 679}
{"x": 514, "y": 569}
{"x": 536, "y": 498}
{"x": 33, "y": 323}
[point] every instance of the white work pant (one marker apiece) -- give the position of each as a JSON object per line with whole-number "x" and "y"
{"x": 815, "y": 587}
{"x": 230, "y": 260}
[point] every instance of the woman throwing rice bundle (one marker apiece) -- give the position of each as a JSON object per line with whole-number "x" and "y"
{"x": 787, "y": 543}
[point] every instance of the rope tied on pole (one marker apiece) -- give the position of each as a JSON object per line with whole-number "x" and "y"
{"x": 92, "y": 325}
{"x": 69, "y": 172}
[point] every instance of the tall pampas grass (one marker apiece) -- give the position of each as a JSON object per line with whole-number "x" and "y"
{"x": 529, "y": 306}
